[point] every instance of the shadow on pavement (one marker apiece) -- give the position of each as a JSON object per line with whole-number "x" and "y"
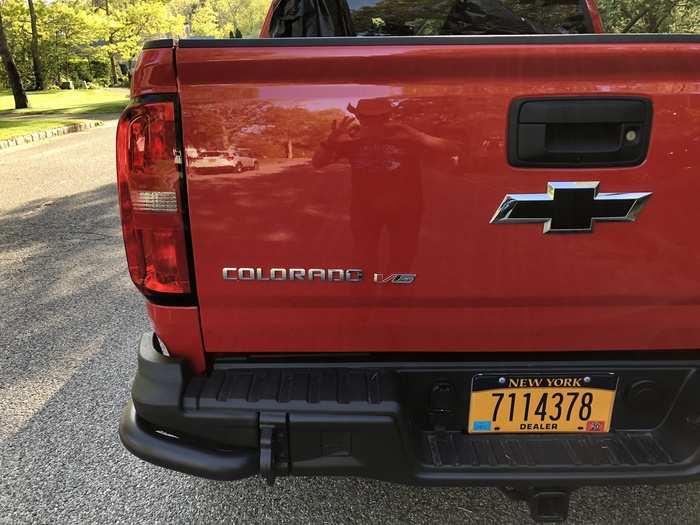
{"x": 64, "y": 282}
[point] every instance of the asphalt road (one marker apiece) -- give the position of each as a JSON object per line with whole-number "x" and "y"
{"x": 69, "y": 323}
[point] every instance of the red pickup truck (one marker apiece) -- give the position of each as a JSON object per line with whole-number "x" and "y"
{"x": 465, "y": 256}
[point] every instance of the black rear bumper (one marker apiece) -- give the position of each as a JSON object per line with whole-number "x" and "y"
{"x": 404, "y": 422}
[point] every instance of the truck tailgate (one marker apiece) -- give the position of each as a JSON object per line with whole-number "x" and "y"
{"x": 385, "y": 205}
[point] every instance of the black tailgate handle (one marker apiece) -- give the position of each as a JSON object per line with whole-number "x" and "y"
{"x": 579, "y": 132}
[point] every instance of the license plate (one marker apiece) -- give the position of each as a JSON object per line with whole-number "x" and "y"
{"x": 515, "y": 403}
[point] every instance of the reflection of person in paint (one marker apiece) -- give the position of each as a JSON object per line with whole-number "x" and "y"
{"x": 387, "y": 192}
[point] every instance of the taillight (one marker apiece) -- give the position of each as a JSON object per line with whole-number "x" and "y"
{"x": 151, "y": 199}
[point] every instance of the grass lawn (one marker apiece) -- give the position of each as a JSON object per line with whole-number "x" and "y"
{"x": 69, "y": 102}
{"x": 14, "y": 128}
{"x": 53, "y": 109}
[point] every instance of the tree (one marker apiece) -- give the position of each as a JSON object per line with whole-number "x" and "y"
{"x": 284, "y": 132}
{"x": 128, "y": 24}
{"x": 36, "y": 59}
{"x": 13, "y": 77}
{"x": 216, "y": 18}
{"x": 70, "y": 43}
{"x": 650, "y": 16}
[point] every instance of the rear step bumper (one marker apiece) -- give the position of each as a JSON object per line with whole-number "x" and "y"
{"x": 384, "y": 420}
{"x": 141, "y": 439}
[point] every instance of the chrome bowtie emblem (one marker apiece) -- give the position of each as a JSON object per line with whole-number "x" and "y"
{"x": 570, "y": 207}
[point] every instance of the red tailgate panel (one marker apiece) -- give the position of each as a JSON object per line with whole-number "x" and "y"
{"x": 479, "y": 286}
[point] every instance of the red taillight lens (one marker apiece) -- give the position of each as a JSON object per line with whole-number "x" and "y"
{"x": 150, "y": 199}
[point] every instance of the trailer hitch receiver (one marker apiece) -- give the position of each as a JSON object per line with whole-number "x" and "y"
{"x": 547, "y": 505}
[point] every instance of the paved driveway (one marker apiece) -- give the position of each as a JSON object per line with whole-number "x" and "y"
{"x": 69, "y": 323}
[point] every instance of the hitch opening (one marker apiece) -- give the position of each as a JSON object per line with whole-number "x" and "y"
{"x": 547, "y": 505}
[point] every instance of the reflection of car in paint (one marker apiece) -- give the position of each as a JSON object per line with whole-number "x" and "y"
{"x": 239, "y": 160}
{"x": 243, "y": 159}
{"x": 357, "y": 309}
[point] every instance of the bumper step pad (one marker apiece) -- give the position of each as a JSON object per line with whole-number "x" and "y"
{"x": 456, "y": 449}
{"x": 309, "y": 386}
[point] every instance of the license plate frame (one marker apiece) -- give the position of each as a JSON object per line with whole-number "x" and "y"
{"x": 566, "y": 397}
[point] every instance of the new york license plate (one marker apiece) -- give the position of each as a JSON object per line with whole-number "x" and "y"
{"x": 541, "y": 403}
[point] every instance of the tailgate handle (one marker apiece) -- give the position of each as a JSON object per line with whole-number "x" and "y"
{"x": 579, "y": 132}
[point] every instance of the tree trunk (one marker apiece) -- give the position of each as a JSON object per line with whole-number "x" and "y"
{"x": 652, "y": 16}
{"x": 636, "y": 19}
{"x": 113, "y": 69}
{"x": 290, "y": 149}
{"x": 112, "y": 62}
{"x": 12, "y": 73}
{"x": 34, "y": 47}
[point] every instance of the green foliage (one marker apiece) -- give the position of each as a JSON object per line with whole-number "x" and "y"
{"x": 79, "y": 38}
{"x": 67, "y": 34}
{"x": 87, "y": 40}
{"x": 219, "y": 18}
{"x": 130, "y": 23}
{"x": 650, "y": 16}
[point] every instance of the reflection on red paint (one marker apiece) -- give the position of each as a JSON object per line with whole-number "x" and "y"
{"x": 413, "y": 191}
